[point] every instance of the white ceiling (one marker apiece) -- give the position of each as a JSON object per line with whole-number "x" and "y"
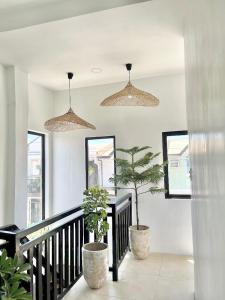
{"x": 148, "y": 34}
{"x": 6, "y": 4}
{"x": 15, "y": 14}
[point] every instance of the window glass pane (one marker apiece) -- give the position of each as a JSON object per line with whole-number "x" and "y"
{"x": 178, "y": 165}
{"x": 100, "y": 162}
{"x": 34, "y": 178}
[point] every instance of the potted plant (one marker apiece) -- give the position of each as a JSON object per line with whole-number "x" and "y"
{"x": 12, "y": 275}
{"x": 95, "y": 255}
{"x": 142, "y": 176}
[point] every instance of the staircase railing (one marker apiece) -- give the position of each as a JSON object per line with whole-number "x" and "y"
{"x": 53, "y": 247}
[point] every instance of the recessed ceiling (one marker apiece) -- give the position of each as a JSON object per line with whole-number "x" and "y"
{"x": 148, "y": 34}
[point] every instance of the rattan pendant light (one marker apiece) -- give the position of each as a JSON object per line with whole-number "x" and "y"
{"x": 130, "y": 96}
{"x": 68, "y": 121}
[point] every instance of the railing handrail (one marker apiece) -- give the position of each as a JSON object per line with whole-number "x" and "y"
{"x": 24, "y": 232}
{"x": 44, "y": 223}
{"x": 42, "y": 237}
{"x": 119, "y": 200}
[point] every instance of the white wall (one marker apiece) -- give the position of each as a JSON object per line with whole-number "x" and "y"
{"x": 23, "y": 105}
{"x": 205, "y": 63}
{"x": 17, "y": 112}
{"x": 3, "y": 142}
{"x": 40, "y": 110}
{"x": 40, "y": 106}
{"x": 169, "y": 219}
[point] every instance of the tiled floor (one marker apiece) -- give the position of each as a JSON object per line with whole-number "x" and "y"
{"x": 160, "y": 277}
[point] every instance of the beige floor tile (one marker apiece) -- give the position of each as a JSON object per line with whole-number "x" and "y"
{"x": 169, "y": 289}
{"x": 93, "y": 297}
{"x": 160, "y": 277}
{"x": 177, "y": 267}
{"x": 132, "y": 287}
{"x": 150, "y": 266}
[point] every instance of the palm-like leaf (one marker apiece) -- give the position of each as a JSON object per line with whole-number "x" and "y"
{"x": 156, "y": 189}
{"x": 145, "y": 160}
{"x": 138, "y": 172}
{"x": 133, "y": 151}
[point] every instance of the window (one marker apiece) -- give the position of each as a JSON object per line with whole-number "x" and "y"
{"x": 177, "y": 171}
{"x": 35, "y": 177}
{"x": 100, "y": 164}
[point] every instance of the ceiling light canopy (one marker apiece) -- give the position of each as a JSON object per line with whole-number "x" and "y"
{"x": 69, "y": 121}
{"x": 130, "y": 96}
{"x": 96, "y": 70}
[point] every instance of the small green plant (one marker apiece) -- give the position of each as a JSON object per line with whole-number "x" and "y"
{"x": 95, "y": 206}
{"x": 139, "y": 174}
{"x": 12, "y": 274}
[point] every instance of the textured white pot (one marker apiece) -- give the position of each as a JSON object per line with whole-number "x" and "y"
{"x": 140, "y": 241}
{"x": 95, "y": 264}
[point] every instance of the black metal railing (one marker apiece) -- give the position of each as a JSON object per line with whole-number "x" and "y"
{"x": 53, "y": 247}
{"x": 121, "y": 215}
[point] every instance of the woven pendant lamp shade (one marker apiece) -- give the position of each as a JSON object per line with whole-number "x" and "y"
{"x": 69, "y": 121}
{"x": 130, "y": 96}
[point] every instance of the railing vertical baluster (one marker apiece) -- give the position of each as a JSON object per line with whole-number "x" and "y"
{"x": 128, "y": 221}
{"x": 72, "y": 252}
{"x": 130, "y": 216}
{"x": 120, "y": 235}
{"x": 63, "y": 257}
{"x": 81, "y": 241}
{"x": 122, "y": 231}
{"x": 39, "y": 276}
{"x": 66, "y": 245}
{"x": 31, "y": 271}
{"x": 106, "y": 235}
{"x": 86, "y": 235}
{"x": 127, "y": 226}
{"x": 60, "y": 251}
{"x": 14, "y": 245}
{"x": 114, "y": 241}
{"x": 47, "y": 270}
{"x": 54, "y": 269}
{"x": 76, "y": 248}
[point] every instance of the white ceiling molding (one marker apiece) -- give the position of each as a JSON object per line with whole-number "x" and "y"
{"x": 16, "y": 14}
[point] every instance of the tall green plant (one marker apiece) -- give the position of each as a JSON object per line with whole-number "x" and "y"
{"x": 139, "y": 174}
{"x": 12, "y": 274}
{"x": 95, "y": 206}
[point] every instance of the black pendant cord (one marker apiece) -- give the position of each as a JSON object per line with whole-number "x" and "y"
{"x": 70, "y": 76}
{"x": 129, "y": 67}
{"x": 69, "y": 95}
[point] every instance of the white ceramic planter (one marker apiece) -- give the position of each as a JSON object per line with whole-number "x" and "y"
{"x": 95, "y": 264}
{"x": 140, "y": 241}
